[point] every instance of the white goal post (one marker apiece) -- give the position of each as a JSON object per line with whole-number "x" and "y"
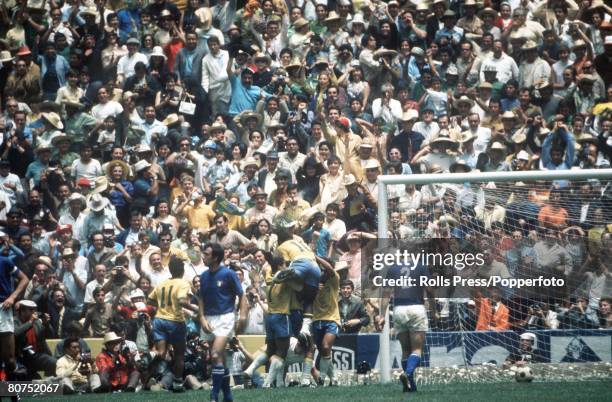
{"x": 383, "y": 214}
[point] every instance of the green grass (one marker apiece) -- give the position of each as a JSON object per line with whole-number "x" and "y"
{"x": 578, "y": 391}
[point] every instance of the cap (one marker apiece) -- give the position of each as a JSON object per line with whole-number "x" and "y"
{"x": 63, "y": 228}
{"x": 132, "y": 41}
{"x": 141, "y": 165}
{"x": 27, "y": 303}
{"x": 522, "y": 155}
{"x": 136, "y": 293}
{"x": 344, "y": 123}
{"x": 348, "y": 180}
{"x": 210, "y": 144}
{"x": 84, "y": 181}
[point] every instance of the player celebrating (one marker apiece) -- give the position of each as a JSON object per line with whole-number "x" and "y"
{"x": 303, "y": 272}
{"x": 303, "y": 268}
{"x": 326, "y": 319}
{"x": 171, "y": 296}
{"x": 410, "y": 319}
{"x": 219, "y": 287}
{"x": 295, "y": 354}
{"x": 8, "y": 295}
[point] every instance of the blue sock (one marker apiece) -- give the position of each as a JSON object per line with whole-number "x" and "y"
{"x": 405, "y": 365}
{"x": 218, "y": 373}
{"x": 411, "y": 365}
{"x": 227, "y": 389}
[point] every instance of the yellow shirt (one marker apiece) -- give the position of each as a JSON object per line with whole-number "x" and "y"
{"x": 325, "y": 306}
{"x": 200, "y": 217}
{"x": 295, "y": 249}
{"x": 167, "y": 295}
{"x": 173, "y": 251}
{"x": 279, "y": 298}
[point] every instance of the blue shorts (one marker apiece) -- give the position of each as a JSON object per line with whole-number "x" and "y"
{"x": 173, "y": 332}
{"x": 296, "y": 317}
{"x": 307, "y": 270}
{"x": 320, "y": 328}
{"x": 277, "y": 326}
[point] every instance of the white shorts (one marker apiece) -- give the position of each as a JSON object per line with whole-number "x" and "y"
{"x": 222, "y": 325}
{"x": 6, "y": 321}
{"x": 410, "y": 318}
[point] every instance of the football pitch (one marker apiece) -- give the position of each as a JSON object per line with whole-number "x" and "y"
{"x": 545, "y": 391}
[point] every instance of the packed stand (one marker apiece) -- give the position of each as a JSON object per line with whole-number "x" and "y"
{"x": 139, "y": 136}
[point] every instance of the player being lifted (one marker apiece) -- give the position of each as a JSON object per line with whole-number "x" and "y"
{"x": 303, "y": 275}
{"x": 219, "y": 288}
{"x": 171, "y": 297}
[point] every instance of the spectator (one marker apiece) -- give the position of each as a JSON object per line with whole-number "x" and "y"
{"x": 493, "y": 315}
{"x": 353, "y": 315}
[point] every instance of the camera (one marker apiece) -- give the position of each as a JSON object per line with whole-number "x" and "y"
{"x": 29, "y": 351}
{"x": 141, "y": 317}
{"x": 85, "y": 357}
{"x": 251, "y": 298}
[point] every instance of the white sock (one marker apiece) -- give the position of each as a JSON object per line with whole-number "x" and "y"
{"x": 307, "y": 369}
{"x": 275, "y": 365}
{"x": 331, "y": 371}
{"x": 307, "y": 321}
{"x": 280, "y": 374}
{"x": 324, "y": 364}
{"x": 259, "y": 361}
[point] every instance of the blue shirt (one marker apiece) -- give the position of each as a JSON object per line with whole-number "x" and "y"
{"x": 243, "y": 98}
{"x": 8, "y": 270}
{"x": 322, "y": 245}
{"x": 409, "y": 295}
{"x": 218, "y": 290}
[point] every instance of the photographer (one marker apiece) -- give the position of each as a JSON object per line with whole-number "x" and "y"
{"x": 237, "y": 358}
{"x": 197, "y": 359}
{"x": 137, "y": 318}
{"x": 115, "y": 366}
{"x": 257, "y": 310}
{"x": 539, "y": 316}
{"x": 30, "y": 340}
{"x": 76, "y": 370}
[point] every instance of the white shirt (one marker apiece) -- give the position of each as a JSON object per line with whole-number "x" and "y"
{"x": 215, "y": 80}
{"x": 530, "y": 73}
{"x": 483, "y": 137}
{"x": 157, "y": 277}
{"x": 390, "y": 113}
{"x": 337, "y": 228}
{"x": 428, "y": 130}
{"x": 90, "y": 287}
{"x": 126, "y": 64}
{"x": 90, "y": 170}
{"x": 505, "y": 66}
{"x": 110, "y": 108}
{"x": 11, "y": 178}
{"x": 77, "y": 225}
{"x": 150, "y": 128}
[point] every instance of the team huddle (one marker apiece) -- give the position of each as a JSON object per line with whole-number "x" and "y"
{"x": 302, "y": 296}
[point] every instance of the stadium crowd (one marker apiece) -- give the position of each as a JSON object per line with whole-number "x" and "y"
{"x": 139, "y": 136}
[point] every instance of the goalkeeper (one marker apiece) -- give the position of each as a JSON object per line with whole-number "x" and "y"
{"x": 409, "y": 319}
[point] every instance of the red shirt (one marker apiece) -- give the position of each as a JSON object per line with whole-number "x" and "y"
{"x": 118, "y": 374}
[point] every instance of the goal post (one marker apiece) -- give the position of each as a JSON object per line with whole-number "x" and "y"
{"x": 384, "y": 181}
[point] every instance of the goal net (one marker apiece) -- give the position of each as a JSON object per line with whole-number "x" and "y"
{"x": 520, "y": 262}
